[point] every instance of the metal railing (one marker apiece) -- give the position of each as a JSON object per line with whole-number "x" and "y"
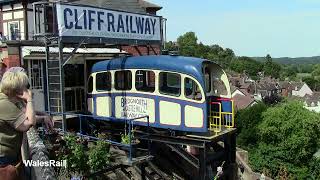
{"x": 219, "y": 118}
{"x": 129, "y": 121}
{"x": 215, "y": 118}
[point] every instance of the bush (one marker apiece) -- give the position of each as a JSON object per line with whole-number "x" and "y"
{"x": 288, "y": 137}
{"x": 247, "y": 122}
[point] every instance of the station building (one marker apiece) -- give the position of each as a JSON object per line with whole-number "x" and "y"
{"x": 19, "y": 47}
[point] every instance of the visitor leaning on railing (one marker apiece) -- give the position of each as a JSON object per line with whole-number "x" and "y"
{"x": 16, "y": 117}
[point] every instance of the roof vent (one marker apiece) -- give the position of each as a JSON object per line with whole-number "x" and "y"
{"x": 173, "y": 53}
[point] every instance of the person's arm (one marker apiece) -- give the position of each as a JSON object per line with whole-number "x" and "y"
{"x": 43, "y": 117}
{"x": 30, "y": 119}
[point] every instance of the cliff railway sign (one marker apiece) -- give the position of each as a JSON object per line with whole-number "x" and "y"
{"x": 98, "y": 24}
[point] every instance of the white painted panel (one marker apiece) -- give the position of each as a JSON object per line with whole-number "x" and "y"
{"x": 7, "y": 16}
{"x": 132, "y": 107}
{"x": 6, "y": 8}
{"x": 103, "y": 106}
{"x": 21, "y": 28}
{"x": 193, "y": 116}
{"x": 30, "y": 24}
{"x": 17, "y": 6}
{"x": 170, "y": 113}
{"x": 18, "y": 14}
{"x": 90, "y": 104}
{"x": 5, "y": 29}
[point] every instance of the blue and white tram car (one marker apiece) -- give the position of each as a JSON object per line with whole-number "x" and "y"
{"x": 178, "y": 93}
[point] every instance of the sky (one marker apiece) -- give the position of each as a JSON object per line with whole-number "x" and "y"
{"x": 281, "y": 28}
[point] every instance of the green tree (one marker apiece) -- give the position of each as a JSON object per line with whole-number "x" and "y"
{"x": 188, "y": 44}
{"x": 316, "y": 71}
{"x": 312, "y": 83}
{"x": 288, "y": 137}
{"x": 247, "y": 124}
{"x": 271, "y": 68}
{"x": 246, "y": 64}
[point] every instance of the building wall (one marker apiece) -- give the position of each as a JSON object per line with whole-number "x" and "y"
{"x": 13, "y": 23}
{"x": 303, "y": 91}
{"x": 10, "y": 56}
{"x": 315, "y": 109}
{"x": 141, "y": 50}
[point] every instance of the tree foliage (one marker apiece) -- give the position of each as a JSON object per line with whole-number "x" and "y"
{"x": 247, "y": 65}
{"x": 271, "y": 68}
{"x": 288, "y": 137}
{"x": 188, "y": 46}
{"x": 247, "y": 121}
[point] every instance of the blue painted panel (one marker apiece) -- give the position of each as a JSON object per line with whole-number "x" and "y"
{"x": 157, "y": 99}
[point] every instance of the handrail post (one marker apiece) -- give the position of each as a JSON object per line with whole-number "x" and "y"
{"x": 80, "y": 118}
{"x": 130, "y": 144}
{"x": 149, "y": 145}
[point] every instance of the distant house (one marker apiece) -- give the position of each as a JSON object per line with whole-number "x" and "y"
{"x": 312, "y": 102}
{"x": 266, "y": 89}
{"x": 235, "y": 91}
{"x": 300, "y": 89}
{"x": 242, "y": 102}
{"x": 241, "y": 98}
{"x": 285, "y": 87}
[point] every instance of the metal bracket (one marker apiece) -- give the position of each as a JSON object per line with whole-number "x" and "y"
{"x": 73, "y": 52}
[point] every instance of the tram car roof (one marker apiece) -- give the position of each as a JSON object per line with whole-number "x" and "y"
{"x": 187, "y": 65}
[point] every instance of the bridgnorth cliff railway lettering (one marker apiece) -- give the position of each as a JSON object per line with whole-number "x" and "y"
{"x": 108, "y": 21}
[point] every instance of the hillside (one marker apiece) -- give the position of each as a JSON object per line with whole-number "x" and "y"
{"x": 297, "y": 60}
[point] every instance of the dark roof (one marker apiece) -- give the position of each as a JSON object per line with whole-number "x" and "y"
{"x": 297, "y": 85}
{"x": 188, "y": 65}
{"x": 242, "y": 102}
{"x": 135, "y": 6}
{"x": 284, "y": 84}
{"x": 314, "y": 98}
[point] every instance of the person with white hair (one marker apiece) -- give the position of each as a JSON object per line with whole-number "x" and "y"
{"x": 3, "y": 68}
{"x": 17, "y": 116}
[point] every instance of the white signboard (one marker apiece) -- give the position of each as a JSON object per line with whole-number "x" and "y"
{"x": 134, "y": 107}
{"x": 80, "y": 21}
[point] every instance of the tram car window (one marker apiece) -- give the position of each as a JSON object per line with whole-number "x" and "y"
{"x": 170, "y": 83}
{"x": 123, "y": 80}
{"x": 103, "y": 81}
{"x": 145, "y": 81}
{"x": 178, "y": 93}
{"x": 192, "y": 90}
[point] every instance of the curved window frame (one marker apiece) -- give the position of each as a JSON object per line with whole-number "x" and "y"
{"x": 90, "y": 84}
{"x": 145, "y": 77}
{"x": 109, "y": 83}
{"x": 198, "y": 86}
{"x": 160, "y": 84}
{"x": 126, "y": 80}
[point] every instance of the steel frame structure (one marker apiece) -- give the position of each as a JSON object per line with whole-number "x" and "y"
{"x": 52, "y": 39}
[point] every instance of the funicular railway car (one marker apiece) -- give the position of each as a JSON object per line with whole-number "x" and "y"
{"x": 178, "y": 93}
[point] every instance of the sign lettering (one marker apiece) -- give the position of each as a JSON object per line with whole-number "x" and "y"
{"x": 103, "y": 23}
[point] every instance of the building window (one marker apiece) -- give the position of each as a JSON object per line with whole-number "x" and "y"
{"x": 90, "y": 84}
{"x": 145, "y": 81}
{"x": 170, "y": 83}
{"x": 123, "y": 80}
{"x": 14, "y": 31}
{"x": 192, "y": 90}
{"x": 103, "y": 81}
{"x": 36, "y": 74}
